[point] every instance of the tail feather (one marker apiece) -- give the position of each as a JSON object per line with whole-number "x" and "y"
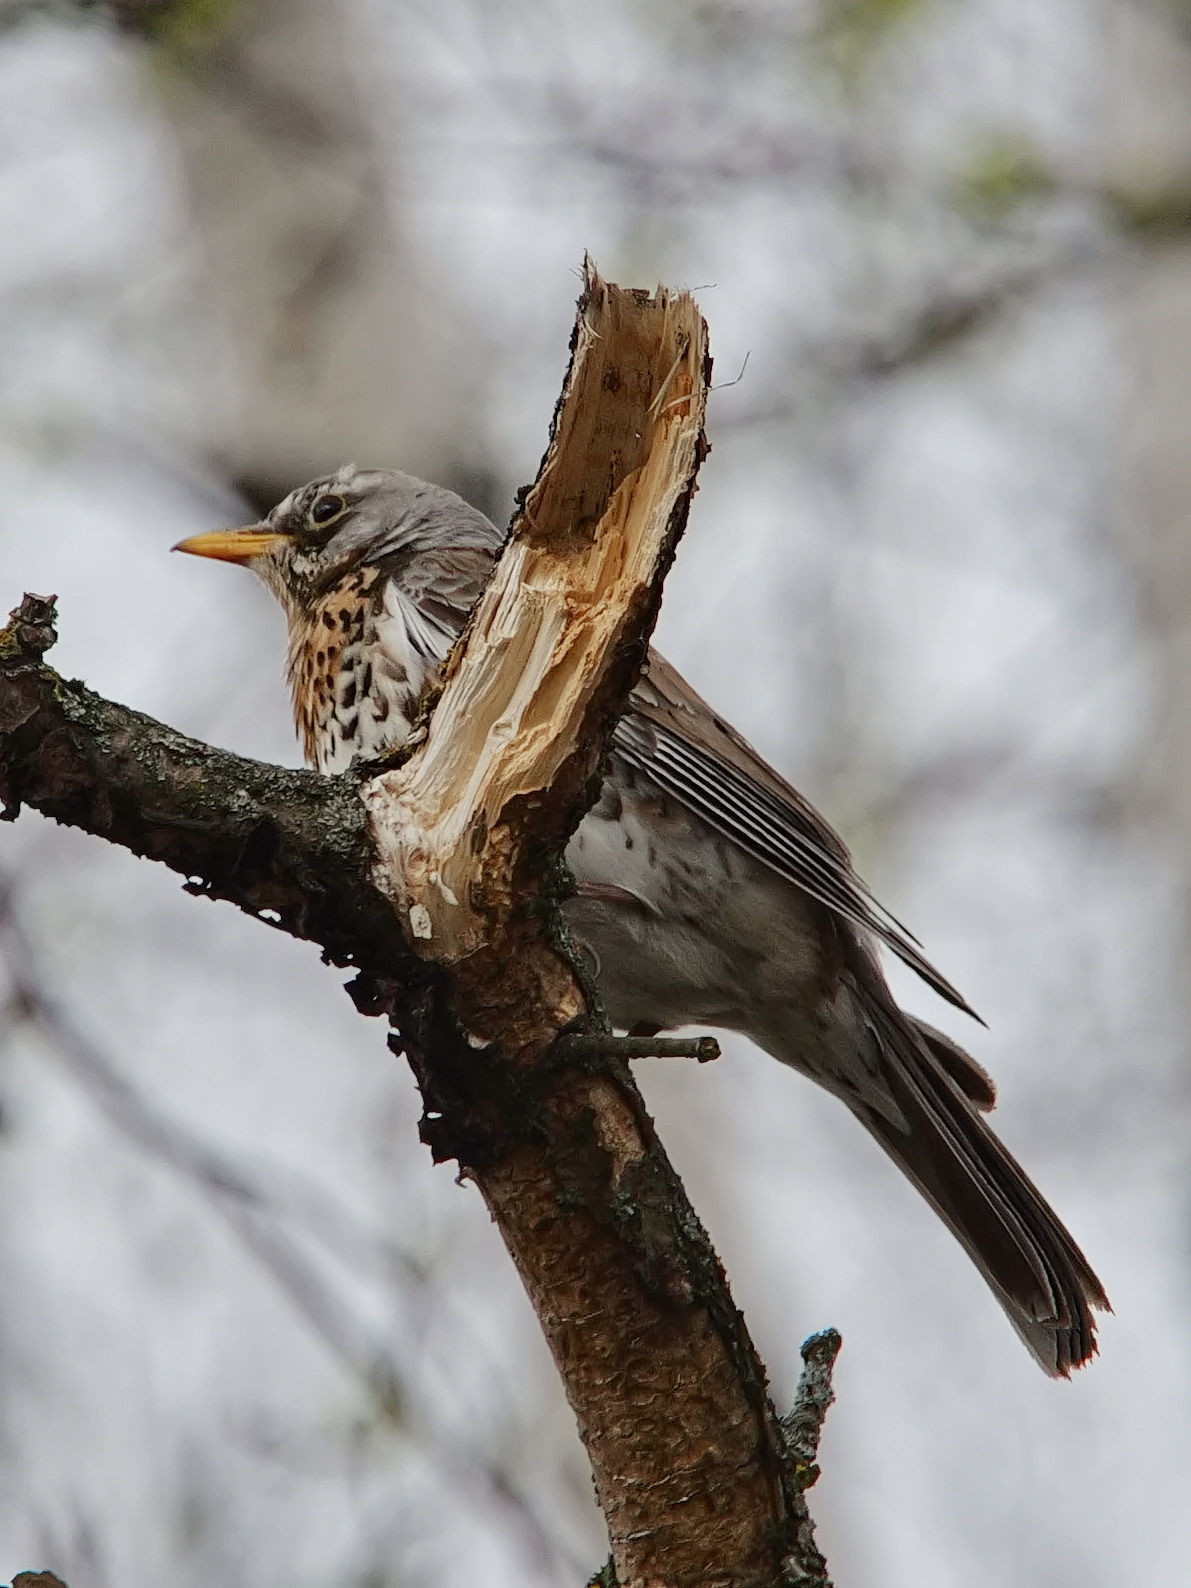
{"x": 1035, "y": 1269}
{"x": 973, "y": 1079}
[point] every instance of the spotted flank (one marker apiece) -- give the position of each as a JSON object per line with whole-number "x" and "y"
{"x": 354, "y": 678}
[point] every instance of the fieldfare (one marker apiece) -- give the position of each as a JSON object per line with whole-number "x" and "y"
{"x": 708, "y": 891}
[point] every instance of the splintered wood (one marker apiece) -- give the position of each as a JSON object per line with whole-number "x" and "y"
{"x": 544, "y": 662}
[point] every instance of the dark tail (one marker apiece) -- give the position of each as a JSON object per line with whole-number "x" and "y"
{"x": 981, "y": 1193}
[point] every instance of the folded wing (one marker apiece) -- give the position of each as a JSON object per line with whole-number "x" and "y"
{"x": 675, "y": 739}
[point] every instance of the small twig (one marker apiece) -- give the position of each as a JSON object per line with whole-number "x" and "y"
{"x": 803, "y": 1424}
{"x": 724, "y": 384}
{"x": 585, "y": 1046}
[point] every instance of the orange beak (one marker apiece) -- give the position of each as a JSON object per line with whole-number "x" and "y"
{"x": 233, "y": 545}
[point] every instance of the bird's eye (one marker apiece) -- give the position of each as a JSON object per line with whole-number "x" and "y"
{"x": 326, "y": 510}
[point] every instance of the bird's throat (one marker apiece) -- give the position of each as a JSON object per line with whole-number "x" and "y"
{"x": 351, "y": 676}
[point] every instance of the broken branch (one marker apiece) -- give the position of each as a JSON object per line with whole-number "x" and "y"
{"x": 689, "y": 1457}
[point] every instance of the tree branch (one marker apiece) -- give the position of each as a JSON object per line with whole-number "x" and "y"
{"x": 437, "y": 881}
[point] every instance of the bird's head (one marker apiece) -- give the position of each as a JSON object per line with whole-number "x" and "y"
{"x": 332, "y": 527}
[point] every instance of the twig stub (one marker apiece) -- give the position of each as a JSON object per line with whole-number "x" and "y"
{"x": 31, "y": 628}
{"x": 803, "y": 1424}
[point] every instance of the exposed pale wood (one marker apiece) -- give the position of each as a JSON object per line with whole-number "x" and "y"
{"x": 582, "y": 562}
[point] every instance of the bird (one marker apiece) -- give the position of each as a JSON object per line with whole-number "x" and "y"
{"x": 707, "y": 889}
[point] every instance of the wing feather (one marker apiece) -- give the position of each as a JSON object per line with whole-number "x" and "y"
{"x": 675, "y": 739}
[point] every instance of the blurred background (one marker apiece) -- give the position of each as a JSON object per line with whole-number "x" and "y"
{"x": 939, "y": 571}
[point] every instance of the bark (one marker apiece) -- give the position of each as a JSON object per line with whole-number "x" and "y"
{"x": 437, "y": 881}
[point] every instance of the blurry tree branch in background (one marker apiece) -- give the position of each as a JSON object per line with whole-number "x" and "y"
{"x": 693, "y": 1467}
{"x": 332, "y": 336}
{"x": 310, "y": 276}
{"x": 258, "y": 1215}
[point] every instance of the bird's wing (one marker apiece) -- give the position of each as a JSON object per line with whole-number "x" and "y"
{"x": 434, "y": 589}
{"x": 675, "y": 738}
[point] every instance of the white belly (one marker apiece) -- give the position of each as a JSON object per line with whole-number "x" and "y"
{"x": 681, "y": 926}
